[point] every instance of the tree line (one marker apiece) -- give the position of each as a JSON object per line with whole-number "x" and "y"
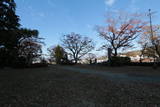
{"x": 121, "y": 32}
{"x": 22, "y": 46}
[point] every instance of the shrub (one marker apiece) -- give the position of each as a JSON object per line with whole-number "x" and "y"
{"x": 119, "y": 61}
{"x": 19, "y": 62}
{"x": 38, "y": 65}
{"x": 22, "y": 63}
{"x": 66, "y": 62}
{"x": 43, "y": 63}
{"x": 3, "y": 57}
{"x": 143, "y": 64}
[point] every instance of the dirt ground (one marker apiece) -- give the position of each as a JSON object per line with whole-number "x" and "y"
{"x": 56, "y": 87}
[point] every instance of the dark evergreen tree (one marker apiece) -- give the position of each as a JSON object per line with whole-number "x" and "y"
{"x": 9, "y": 23}
{"x": 17, "y": 46}
{"x": 58, "y": 55}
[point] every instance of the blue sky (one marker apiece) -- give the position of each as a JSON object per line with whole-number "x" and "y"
{"x": 53, "y": 18}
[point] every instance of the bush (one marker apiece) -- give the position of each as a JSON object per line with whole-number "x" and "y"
{"x": 19, "y": 62}
{"x": 38, "y": 65}
{"x": 66, "y": 62}
{"x": 43, "y": 63}
{"x": 22, "y": 63}
{"x": 2, "y": 57}
{"x": 119, "y": 61}
{"x": 143, "y": 64}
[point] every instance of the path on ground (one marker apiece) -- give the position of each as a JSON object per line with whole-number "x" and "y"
{"x": 116, "y": 76}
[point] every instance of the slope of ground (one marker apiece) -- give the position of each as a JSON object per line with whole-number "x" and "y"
{"x": 56, "y": 86}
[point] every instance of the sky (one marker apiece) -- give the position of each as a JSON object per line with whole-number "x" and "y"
{"x": 54, "y": 18}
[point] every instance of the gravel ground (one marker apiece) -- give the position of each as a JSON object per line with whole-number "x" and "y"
{"x": 132, "y": 76}
{"x": 147, "y": 70}
{"x": 56, "y": 87}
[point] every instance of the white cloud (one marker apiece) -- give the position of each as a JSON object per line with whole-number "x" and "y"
{"x": 109, "y": 2}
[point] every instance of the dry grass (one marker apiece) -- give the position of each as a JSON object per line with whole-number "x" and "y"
{"x": 56, "y": 87}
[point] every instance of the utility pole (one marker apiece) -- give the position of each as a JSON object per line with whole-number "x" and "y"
{"x": 151, "y": 26}
{"x": 150, "y": 18}
{"x": 152, "y": 35}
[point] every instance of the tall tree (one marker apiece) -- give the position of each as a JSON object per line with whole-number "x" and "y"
{"x": 58, "y": 54}
{"x": 77, "y": 46}
{"x": 121, "y": 30}
{"x": 16, "y": 42}
{"x": 8, "y": 19}
{"x": 9, "y": 23}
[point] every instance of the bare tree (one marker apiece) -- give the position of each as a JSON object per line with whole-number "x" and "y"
{"x": 90, "y": 57}
{"x": 30, "y": 48}
{"x": 151, "y": 43}
{"x": 155, "y": 40}
{"x": 30, "y": 45}
{"x": 77, "y": 46}
{"x": 121, "y": 30}
{"x": 143, "y": 42}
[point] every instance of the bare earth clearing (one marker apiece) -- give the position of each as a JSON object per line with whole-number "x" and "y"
{"x": 67, "y": 86}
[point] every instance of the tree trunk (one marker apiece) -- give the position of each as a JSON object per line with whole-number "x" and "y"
{"x": 75, "y": 61}
{"x": 115, "y": 52}
{"x": 140, "y": 60}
